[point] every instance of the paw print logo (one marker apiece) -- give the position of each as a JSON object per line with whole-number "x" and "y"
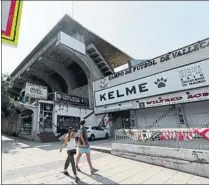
{"x": 161, "y": 82}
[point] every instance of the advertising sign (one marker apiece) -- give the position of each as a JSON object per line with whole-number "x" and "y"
{"x": 193, "y": 95}
{"x": 75, "y": 100}
{"x": 180, "y": 97}
{"x": 36, "y": 91}
{"x": 179, "y": 79}
{"x": 11, "y": 16}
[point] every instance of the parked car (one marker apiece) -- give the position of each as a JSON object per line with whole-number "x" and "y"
{"x": 95, "y": 132}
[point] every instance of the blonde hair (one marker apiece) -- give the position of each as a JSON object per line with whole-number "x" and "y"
{"x": 70, "y": 131}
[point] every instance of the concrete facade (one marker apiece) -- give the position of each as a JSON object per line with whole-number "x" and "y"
{"x": 68, "y": 60}
{"x": 66, "y": 48}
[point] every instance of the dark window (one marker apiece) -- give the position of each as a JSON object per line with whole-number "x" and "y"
{"x": 94, "y": 128}
{"x": 100, "y": 129}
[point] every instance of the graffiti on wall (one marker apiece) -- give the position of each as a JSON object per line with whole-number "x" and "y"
{"x": 166, "y": 134}
{"x": 104, "y": 121}
{"x": 184, "y": 135}
{"x": 64, "y": 122}
{"x": 204, "y": 132}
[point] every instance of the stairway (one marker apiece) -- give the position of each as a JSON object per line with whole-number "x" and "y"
{"x": 47, "y": 137}
{"x": 88, "y": 115}
{"x": 99, "y": 60}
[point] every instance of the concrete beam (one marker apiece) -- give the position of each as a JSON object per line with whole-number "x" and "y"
{"x": 17, "y": 85}
{"x": 36, "y": 57}
{"x": 15, "y": 91}
{"x": 23, "y": 78}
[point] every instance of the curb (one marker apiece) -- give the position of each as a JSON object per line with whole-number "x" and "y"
{"x": 101, "y": 149}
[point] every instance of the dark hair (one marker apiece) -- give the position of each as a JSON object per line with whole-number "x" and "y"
{"x": 83, "y": 122}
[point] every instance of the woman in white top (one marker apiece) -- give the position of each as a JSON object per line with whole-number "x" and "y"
{"x": 71, "y": 151}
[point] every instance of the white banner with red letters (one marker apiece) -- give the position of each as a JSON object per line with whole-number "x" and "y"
{"x": 179, "y": 134}
{"x": 176, "y": 98}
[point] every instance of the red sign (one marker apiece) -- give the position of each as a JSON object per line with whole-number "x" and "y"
{"x": 11, "y": 15}
{"x": 188, "y": 97}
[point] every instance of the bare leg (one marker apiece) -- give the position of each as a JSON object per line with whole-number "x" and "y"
{"x": 88, "y": 157}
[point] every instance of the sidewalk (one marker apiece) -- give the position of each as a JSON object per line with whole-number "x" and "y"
{"x": 25, "y": 162}
{"x": 101, "y": 145}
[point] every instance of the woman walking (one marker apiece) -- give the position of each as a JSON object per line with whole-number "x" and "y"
{"x": 71, "y": 151}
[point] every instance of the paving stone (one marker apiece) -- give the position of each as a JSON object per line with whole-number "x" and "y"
{"x": 7, "y": 182}
{"x": 198, "y": 180}
{"x": 161, "y": 177}
{"x": 20, "y": 180}
{"x": 179, "y": 178}
{"x": 127, "y": 174}
{"x": 143, "y": 175}
{"x": 35, "y": 181}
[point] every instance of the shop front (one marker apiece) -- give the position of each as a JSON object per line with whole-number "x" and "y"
{"x": 50, "y": 118}
{"x": 26, "y": 122}
{"x": 173, "y": 92}
{"x": 68, "y": 111}
{"x": 175, "y": 110}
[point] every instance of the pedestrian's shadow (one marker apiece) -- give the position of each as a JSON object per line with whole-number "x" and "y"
{"x": 79, "y": 182}
{"x": 100, "y": 178}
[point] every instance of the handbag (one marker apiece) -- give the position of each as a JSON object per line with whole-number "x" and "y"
{"x": 73, "y": 152}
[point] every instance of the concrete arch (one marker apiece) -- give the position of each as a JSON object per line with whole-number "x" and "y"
{"x": 82, "y": 61}
{"x": 53, "y": 85}
{"x": 61, "y": 70}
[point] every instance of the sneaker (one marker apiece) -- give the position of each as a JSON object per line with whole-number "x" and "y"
{"x": 66, "y": 173}
{"x": 77, "y": 179}
{"x": 93, "y": 170}
{"x": 78, "y": 169}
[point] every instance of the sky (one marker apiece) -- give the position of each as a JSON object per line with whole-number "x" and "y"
{"x": 143, "y": 30}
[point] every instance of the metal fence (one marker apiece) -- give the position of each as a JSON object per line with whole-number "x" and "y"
{"x": 188, "y": 138}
